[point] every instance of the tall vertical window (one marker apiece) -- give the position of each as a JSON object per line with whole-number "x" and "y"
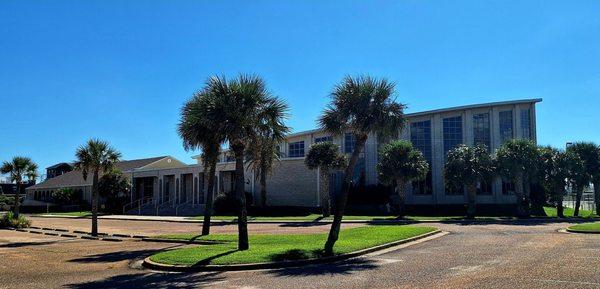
{"x": 296, "y": 149}
{"x": 506, "y": 125}
{"x": 526, "y": 123}
{"x": 349, "y": 142}
{"x": 453, "y": 135}
{"x": 420, "y": 136}
{"x": 324, "y": 139}
{"x": 481, "y": 129}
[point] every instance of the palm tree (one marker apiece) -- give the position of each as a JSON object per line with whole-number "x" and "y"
{"x": 18, "y": 168}
{"x": 359, "y": 105}
{"x": 590, "y": 155}
{"x": 466, "y": 167}
{"x": 262, "y": 148}
{"x": 400, "y": 163}
{"x": 241, "y": 106}
{"x": 95, "y": 157}
{"x": 198, "y": 132}
{"x": 517, "y": 160}
{"x": 558, "y": 169}
{"x": 325, "y": 156}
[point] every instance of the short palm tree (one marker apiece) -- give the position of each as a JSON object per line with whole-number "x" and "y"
{"x": 17, "y": 169}
{"x": 466, "y": 167}
{"x": 325, "y": 156}
{"x": 557, "y": 171}
{"x": 362, "y": 106}
{"x": 589, "y": 153}
{"x": 95, "y": 157}
{"x": 262, "y": 148}
{"x": 239, "y": 107}
{"x": 198, "y": 132}
{"x": 517, "y": 160}
{"x": 400, "y": 164}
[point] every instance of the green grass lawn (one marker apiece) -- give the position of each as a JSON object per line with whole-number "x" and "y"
{"x": 591, "y": 227}
{"x": 569, "y": 212}
{"x": 270, "y": 248}
{"x": 70, "y": 214}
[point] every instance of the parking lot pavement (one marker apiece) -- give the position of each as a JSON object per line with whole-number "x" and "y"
{"x": 490, "y": 255}
{"x": 150, "y": 228}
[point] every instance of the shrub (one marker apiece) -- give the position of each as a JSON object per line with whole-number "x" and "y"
{"x": 226, "y": 204}
{"x": 6, "y": 202}
{"x": 9, "y": 221}
{"x": 67, "y": 196}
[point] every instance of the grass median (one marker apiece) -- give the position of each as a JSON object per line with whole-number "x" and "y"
{"x": 586, "y": 228}
{"x": 274, "y": 248}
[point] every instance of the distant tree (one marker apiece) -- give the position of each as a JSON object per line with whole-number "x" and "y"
{"x": 325, "y": 156}
{"x": 239, "y": 107}
{"x": 400, "y": 164}
{"x": 558, "y": 170}
{"x": 66, "y": 196}
{"x": 589, "y": 153}
{"x": 17, "y": 169}
{"x": 466, "y": 167}
{"x": 359, "y": 105}
{"x": 517, "y": 160}
{"x": 114, "y": 187}
{"x": 94, "y": 157}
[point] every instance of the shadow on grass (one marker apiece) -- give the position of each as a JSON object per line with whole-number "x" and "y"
{"x": 339, "y": 268}
{"x": 154, "y": 280}
{"x": 295, "y": 254}
{"x": 207, "y": 261}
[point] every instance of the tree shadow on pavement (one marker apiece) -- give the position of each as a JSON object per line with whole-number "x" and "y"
{"x": 153, "y": 280}
{"x": 339, "y": 268}
{"x": 26, "y": 244}
{"x": 119, "y": 256}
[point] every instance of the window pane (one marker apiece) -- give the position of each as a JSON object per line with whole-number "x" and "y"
{"x": 481, "y": 129}
{"x": 296, "y": 149}
{"x": 324, "y": 139}
{"x": 453, "y": 134}
{"x": 349, "y": 142}
{"x": 526, "y": 123}
{"x": 420, "y": 136}
{"x": 506, "y": 126}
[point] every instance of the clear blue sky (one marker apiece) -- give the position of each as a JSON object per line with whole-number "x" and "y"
{"x": 120, "y": 70}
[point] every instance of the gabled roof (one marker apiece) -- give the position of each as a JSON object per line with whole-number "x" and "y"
{"x": 75, "y": 178}
{"x": 58, "y": 165}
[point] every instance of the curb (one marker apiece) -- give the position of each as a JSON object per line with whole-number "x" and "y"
{"x": 582, "y": 232}
{"x": 175, "y": 241}
{"x": 277, "y": 265}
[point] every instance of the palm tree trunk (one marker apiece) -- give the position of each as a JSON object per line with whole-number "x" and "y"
{"x": 400, "y": 191}
{"x": 343, "y": 198}
{"x": 325, "y": 198}
{"x": 241, "y": 197}
{"x": 520, "y": 196}
{"x": 208, "y": 208}
{"x": 471, "y": 201}
{"x": 578, "y": 201}
{"x": 597, "y": 196}
{"x": 95, "y": 204}
{"x": 559, "y": 203}
{"x": 17, "y": 200}
{"x": 263, "y": 186}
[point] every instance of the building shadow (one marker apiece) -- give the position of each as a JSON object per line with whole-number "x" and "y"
{"x": 346, "y": 267}
{"x": 152, "y": 280}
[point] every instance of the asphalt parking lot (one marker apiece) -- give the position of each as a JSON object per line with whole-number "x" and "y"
{"x": 486, "y": 255}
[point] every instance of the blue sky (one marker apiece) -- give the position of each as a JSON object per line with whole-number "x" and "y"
{"x": 120, "y": 70}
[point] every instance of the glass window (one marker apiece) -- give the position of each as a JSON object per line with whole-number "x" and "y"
{"x": 506, "y": 125}
{"x": 324, "y": 139}
{"x": 508, "y": 188}
{"x": 296, "y": 149}
{"x": 453, "y": 135}
{"x": 526, "y": 123}
{"x": 349, "y": 142}
{"x": 484, "y": 188}
{"x": 481, "y": 129}
{"x": 420, "y": 136}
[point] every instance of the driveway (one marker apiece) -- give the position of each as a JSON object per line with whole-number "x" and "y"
{"x": 520, "y": 255}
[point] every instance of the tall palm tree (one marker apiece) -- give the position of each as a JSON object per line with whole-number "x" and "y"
{"x": 262, "y": 148}
{"x": 16, "y": 169}
{"x": 95, "y": 157}
{"x": 359, "y": 105}
{"x": 517, "y": 160}
{"x": 465, "y": 168}
{"x": 400, "y": 163}
{"x": 196, "y": 133}
{"x": 325, "y": 156}
{"x": 590, "y": 155}
{"x": 241, "y": 106}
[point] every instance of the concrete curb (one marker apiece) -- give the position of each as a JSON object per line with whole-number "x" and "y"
{"x": 284, "y": 264}
{"x": 582, "y": 232}
{"x": 175, "y": 241}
